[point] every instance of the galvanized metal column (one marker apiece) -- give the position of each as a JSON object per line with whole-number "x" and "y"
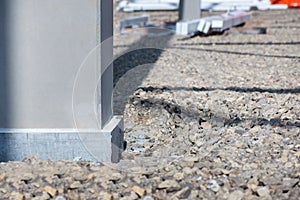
{"x": 189, "y": 10}
{"x": 56, "y": 81}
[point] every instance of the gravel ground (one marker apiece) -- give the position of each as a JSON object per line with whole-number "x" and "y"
{"x": 213, "y": 117}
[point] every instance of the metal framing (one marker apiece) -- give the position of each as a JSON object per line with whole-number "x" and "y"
{"x": 216, "y": 23}
{"x": 139, "y": 21}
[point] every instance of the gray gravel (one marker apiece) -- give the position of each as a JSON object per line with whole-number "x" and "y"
{"x": 213, "y": 117}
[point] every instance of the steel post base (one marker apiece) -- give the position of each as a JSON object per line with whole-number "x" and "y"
{"x": 64, "y": 144}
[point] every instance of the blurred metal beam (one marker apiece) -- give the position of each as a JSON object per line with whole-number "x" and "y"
{"x": 217, "y": 23}
{"x": 139, "y": 21}
{"x": 189, "y": 10}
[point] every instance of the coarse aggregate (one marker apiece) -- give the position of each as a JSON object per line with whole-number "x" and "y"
{"x": 214, "y": 117}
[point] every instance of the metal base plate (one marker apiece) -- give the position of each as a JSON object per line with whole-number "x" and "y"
{"x": 64, "y": 144}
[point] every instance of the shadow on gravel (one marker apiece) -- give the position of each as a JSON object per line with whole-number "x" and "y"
{"x": 274, "y": 122}
{"x": 234, "y": 89}
{"x": 236, "y": 52}
{"x": 137, "y": 54}
{"x": 212, "y": 117}
{"x": 134, "y": 58}
{"x": 233, "y": 52}
{"x": 284, "y": 27}
{"x": 239, "y": 43}
{"x": 232, "y": 43}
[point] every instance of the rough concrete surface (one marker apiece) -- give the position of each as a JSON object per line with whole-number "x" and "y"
{"x": 213, "y": 117}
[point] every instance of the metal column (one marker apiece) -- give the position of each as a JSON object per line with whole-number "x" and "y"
{"x": 56, "y": 81}
{"x": 189, "y": 10}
